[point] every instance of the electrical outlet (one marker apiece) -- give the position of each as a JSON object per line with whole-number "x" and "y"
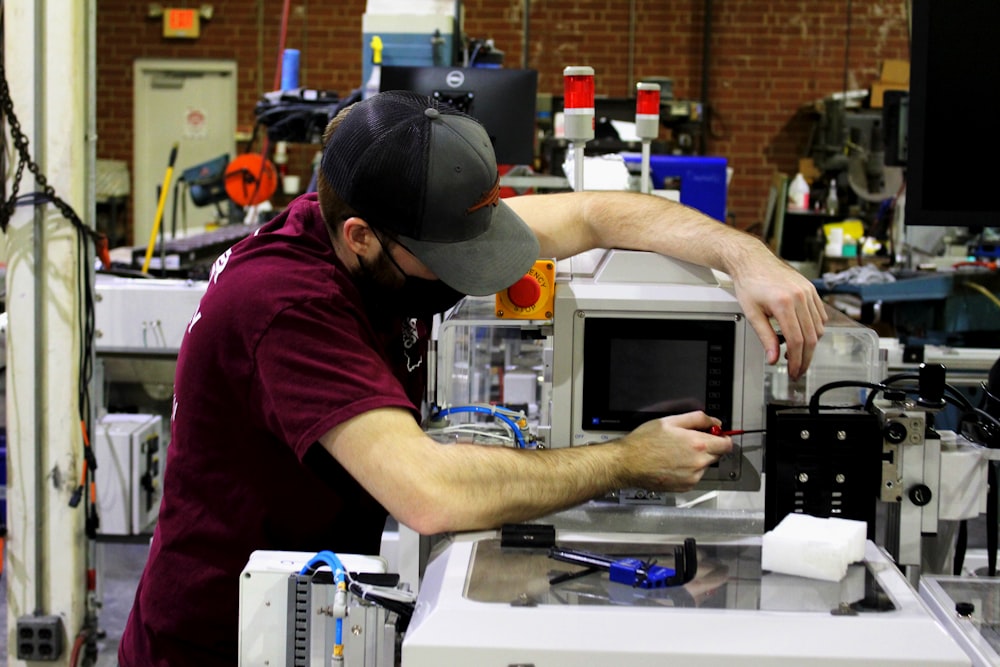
{"x": 39, "y": 638}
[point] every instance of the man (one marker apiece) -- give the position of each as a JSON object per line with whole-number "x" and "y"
{"x": 295, "y": 424}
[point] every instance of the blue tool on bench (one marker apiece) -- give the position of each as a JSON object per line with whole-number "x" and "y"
{"x": 632, "y": 571}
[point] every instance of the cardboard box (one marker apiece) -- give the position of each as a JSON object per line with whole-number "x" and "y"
{"x": 809, "y": 170}
{"x": 895, "y": 71}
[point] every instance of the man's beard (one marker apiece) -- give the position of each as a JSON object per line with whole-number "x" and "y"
{"x": 387, "y": 291}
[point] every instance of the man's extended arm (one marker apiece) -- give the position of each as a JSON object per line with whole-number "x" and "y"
{"x": 433, "y": 487}
{"x": 766, "y": 286}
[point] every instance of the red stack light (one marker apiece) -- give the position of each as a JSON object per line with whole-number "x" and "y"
{"x": 578, "y": 87}
{"x": 578, "y": 103}
{"x": 647, "y": 99}
{"x": 647, "y": 110}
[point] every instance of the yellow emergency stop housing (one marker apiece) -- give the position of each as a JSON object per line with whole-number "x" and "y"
{"x": 532, "y": 297}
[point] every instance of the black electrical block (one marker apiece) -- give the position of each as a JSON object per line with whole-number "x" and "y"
{"x": 39, "y": 638}
{"x": 825, "y": 464}
{"x": 527, "y": 536}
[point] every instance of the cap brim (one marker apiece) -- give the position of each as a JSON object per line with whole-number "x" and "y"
{"x": 489, "y": 263}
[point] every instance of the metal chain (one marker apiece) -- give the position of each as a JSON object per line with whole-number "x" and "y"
{"x": 24, "y": 159}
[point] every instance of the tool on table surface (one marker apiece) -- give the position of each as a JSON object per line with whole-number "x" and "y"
{"x": 632, "y": 571}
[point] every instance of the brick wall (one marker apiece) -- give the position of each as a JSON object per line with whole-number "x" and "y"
{"x": 768, "y": 59}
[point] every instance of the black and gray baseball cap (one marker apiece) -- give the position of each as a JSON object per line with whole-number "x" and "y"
{"x": 427, "y": 173}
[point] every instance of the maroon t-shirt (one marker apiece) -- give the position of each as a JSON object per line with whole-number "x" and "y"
{"x": 280, "y": 351}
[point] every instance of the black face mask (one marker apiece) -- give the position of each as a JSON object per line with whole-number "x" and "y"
{"x": 390, "y": 291}
{"x": 423, "y": 298}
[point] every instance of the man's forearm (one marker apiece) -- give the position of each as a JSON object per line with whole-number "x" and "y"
{"x": 487, "y": 486}
{"x": 669, "y": 228}
{"x": 433, "y": 487}
{"x": 570, "y": 223}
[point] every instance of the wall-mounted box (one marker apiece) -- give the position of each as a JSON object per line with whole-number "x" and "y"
{"x": 130, "y": 452}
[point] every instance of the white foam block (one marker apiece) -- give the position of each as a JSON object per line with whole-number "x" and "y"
{"x": 813, "y": 547}
{"x": 784, "y": 592}
{"x": 853, "y": 533}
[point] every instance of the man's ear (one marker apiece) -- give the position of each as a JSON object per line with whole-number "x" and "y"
{"x": 357, "y": 235}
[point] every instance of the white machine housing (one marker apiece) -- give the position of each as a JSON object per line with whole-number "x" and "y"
{"x": 661, "y": 311}
{"x": 268, "y": 627}
{"x": 777, "y": 620}
{"x": 145, "y": 316}
{"x": 130, "y": 451}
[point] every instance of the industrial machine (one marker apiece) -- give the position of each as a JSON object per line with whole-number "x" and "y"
{"x": 677, "y": 342}
{"x": 628, "y": 337}
{"x": 287, "y": 591}
{"x": 582, "y": 353}
{"x": 483, "y": 604}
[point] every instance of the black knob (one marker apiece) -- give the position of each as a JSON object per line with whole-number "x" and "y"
{"x": 894, "y": 432}
{"x": 965, "y": 609}
{"x": 932, "y": 383}
{"x": 920, "y": 494}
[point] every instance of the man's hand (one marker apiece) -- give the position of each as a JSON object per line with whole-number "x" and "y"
{"x": 768, "y": 287}
{"x": 672, "y": 453}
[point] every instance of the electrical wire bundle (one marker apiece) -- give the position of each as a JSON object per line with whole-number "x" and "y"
{"x": 396, "y": 600}
{"x": 976, "y": 424}
{"x": 515, "y": 424}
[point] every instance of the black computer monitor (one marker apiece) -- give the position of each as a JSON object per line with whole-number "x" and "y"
{"x": 952, "y": 130}
{"x": 503, "y": 100}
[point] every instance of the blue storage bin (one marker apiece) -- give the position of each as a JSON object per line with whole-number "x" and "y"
{"x": 703, "y": 179}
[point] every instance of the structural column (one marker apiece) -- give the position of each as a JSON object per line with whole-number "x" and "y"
{"x": 48, "y": 58}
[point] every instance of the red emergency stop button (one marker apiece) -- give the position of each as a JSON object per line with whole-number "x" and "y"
{"x": 532, "y": 297}
{"x": 525, "y": 292}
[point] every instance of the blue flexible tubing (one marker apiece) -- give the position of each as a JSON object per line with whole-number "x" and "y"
{"x": 339, "y": 578}
{"x": 487, "y": 411}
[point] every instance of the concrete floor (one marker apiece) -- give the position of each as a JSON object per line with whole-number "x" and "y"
{"x": 121, "y": 566}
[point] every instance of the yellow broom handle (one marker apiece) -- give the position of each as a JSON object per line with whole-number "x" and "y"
{"x": 159, "y": 209}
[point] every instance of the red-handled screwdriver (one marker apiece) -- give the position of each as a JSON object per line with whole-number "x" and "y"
{"x": 717, "y": 430}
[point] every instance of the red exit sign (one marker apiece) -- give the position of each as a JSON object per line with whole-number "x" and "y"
{"x": 181, "y": 23}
